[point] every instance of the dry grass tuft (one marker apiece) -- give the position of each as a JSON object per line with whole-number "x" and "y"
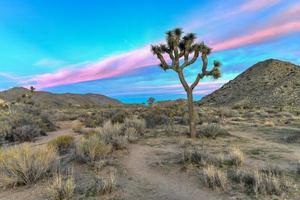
{"x": 211, "y": 131}
{"x": 102, "y": 185}
{"x": 24, "y": 164}
{"x": 235, "y": 157}
{"x": 92, "y": 149}
{"x": 138, "y": 124}
{"x": 77, "y": 127}
{"x": 261, "y": 182}
{"x": 213, "y": 178}
{"x": 62, "y": 143}
{"x": 61, "y": 188}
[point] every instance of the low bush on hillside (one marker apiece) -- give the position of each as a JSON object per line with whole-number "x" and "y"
{"x": 24, "y": 164}
{"x": 211, "y": 131}
{"x": 61, "y": 187}
{"x": 62, "y": 143}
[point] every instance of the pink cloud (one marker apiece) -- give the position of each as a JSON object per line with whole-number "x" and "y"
{"x": 254, "y": 5}
{"x": 258, "y": 36}
{"x": 107, "y": 68}
{"x": 120, "y": 64}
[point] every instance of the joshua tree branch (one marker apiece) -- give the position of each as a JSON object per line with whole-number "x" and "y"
{"x": 192, "y": 61}
{"x": 182, "y": 80}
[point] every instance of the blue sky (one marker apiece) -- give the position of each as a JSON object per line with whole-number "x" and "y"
{"x": 103, "y": 47}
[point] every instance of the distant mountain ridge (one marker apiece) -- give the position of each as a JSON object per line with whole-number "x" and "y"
{"x": 60, "y": 100}
{"x": 268, "y": 83}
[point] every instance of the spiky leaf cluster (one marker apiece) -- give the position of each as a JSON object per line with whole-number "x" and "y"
{"x": 182, "y": 51}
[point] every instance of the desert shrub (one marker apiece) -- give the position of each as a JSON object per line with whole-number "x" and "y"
{"x": 22, "y": 127}
{"x": 94, "y": 120}
{"x": 92, "y": 149}
{"x": 102, "y": 185}
{"x": 77, "y": 127}
{"x": 227, "y": 112}
{"x": 261, "y": 182}
{"x": 119, "y": 117}
{"x": 235, "y": 157}
{"x": 211, "y": 131}
{"x": 213, "y": 178}
{"x": 298, "y": 168}
{"x": 155, "y": 118}
{"x": 292, "y": 138}
{"x": 24, "y": 133}
{"x": 198, "y": 156}
{"x": 61, "y": 187}
{"x": 24, "y": 164}
{"x": 138, "y": 124}
{"x": 45, "y": 123}
{"x": 131, "y": 134}
{"x": 62, "y": 143}
{"x": 113, "y": 134}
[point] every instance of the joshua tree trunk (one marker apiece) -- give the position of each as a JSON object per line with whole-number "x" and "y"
{"x": 191, "y": 113}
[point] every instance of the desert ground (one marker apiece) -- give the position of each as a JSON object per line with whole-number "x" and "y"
{"x": 145, "y": 153}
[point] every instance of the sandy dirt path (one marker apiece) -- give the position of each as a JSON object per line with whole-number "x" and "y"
{"x": 154, "y": 184}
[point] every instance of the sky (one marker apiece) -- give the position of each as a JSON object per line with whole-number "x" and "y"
{"x": 91, "y": 46}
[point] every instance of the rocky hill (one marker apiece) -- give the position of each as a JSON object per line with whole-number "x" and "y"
{"x": 267, "y": 83}
{"x": 48, "y": 99}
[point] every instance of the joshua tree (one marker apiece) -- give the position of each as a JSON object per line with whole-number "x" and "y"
{"x": 183, "y": 51}
{"x": 151, "y": 101}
